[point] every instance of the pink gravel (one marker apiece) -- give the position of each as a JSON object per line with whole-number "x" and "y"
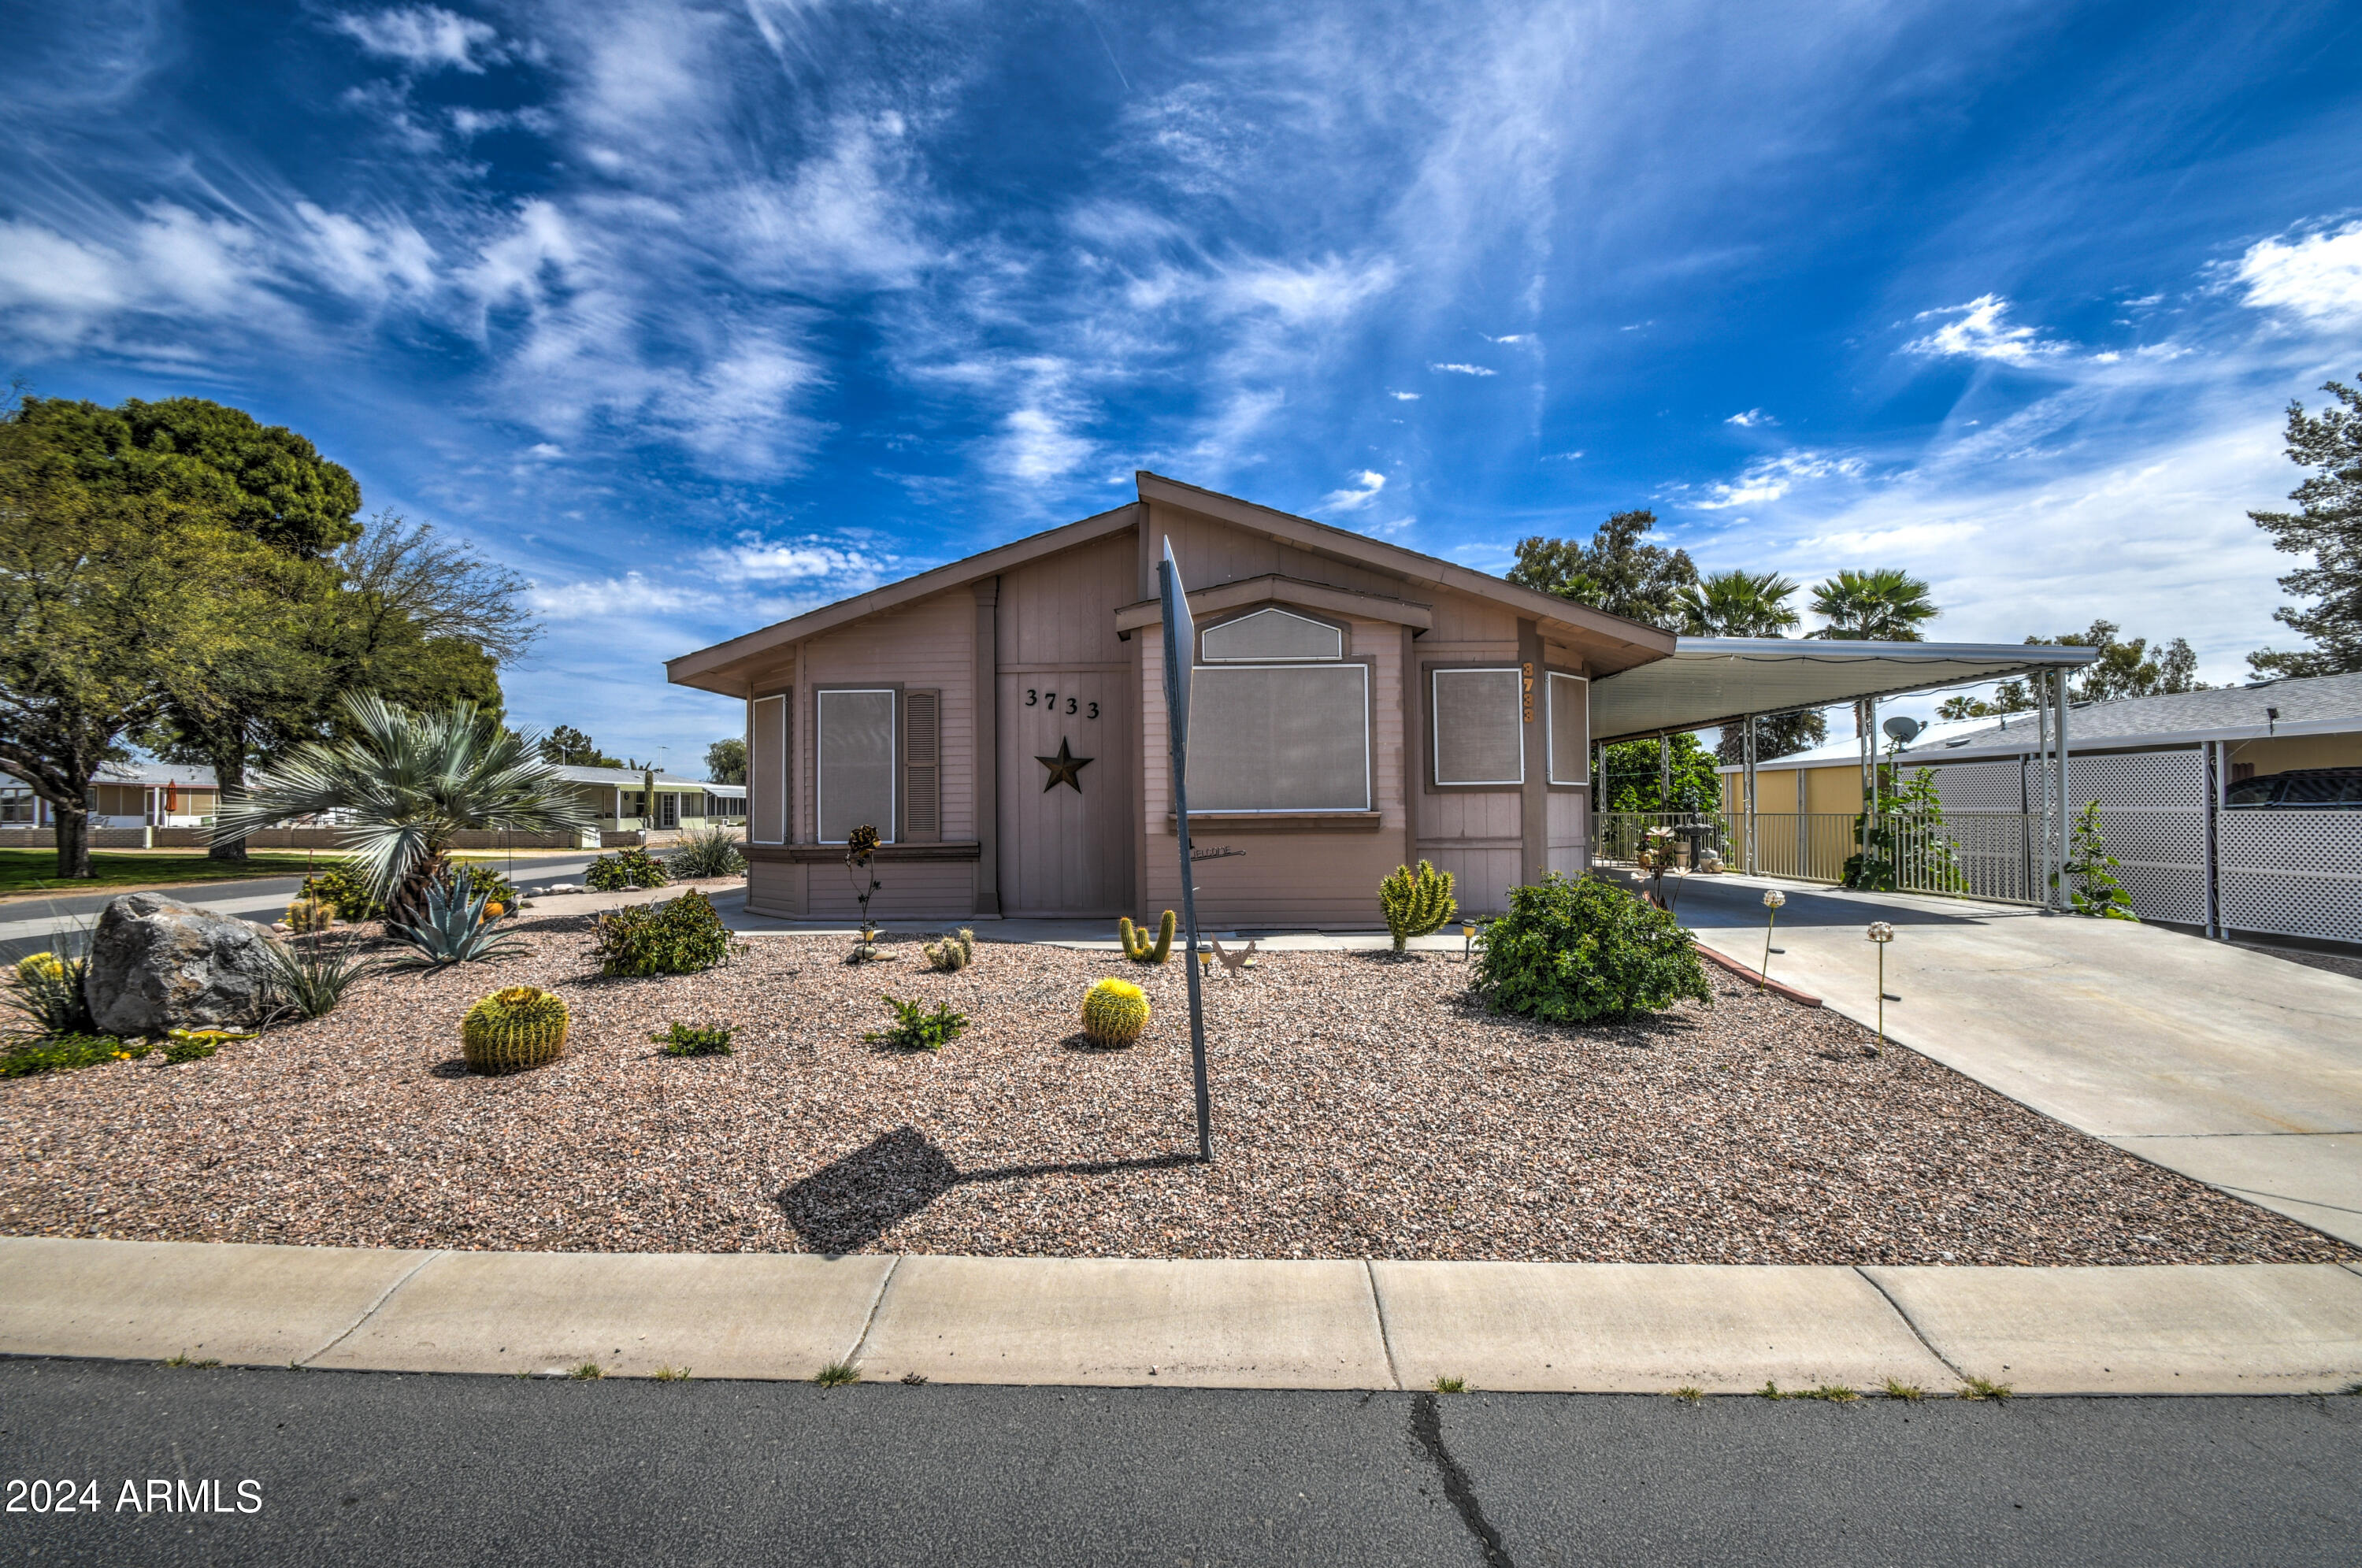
{"x": 1364, "y": 1109}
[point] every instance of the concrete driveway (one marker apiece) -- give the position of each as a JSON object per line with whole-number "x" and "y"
{"x": 2240, "y": 1069}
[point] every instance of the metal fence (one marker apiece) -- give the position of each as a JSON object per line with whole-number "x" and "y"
{"x": 1992, "y": 855}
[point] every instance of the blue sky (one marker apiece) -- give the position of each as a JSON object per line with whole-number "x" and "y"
{"x": 701, "y": 313}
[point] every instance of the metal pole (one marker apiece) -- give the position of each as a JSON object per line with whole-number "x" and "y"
{"x": 2064, "y": 819}
{"x": 2212, "y": 755}
{"x": 1750, "y": 794}
{"x": 1180, "y": 647}
{"x": 1664, "y": 773}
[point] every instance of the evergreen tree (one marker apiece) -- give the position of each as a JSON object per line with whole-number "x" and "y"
{"x": 1616, "y": 572}
{"x": 2326, "y": 525}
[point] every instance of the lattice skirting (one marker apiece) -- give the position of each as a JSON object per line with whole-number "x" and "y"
{"x": 2291, "y": 873}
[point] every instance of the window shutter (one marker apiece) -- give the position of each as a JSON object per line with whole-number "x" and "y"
{"x": 922, "y": 765}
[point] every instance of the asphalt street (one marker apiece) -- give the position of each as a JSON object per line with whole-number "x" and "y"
{"x": 386, "y": 1470}
{"x": 29, "y": 925}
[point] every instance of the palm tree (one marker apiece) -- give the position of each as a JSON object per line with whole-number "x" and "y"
{"x": 1885, "y": 604}
{"x": 415, "y": 781}
{"x": 1738, "y": 604}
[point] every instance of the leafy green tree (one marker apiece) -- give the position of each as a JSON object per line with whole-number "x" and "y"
{"x": 414, "y": 782}
{"x": 1616, "y": 571}
{"x": 2326, "y": 525}
{"x": 116, "y": 602}
{"x": 1738, "y": 604}
{"x": 1776, "y": 735}
{"x": 725, "y": 761}
{"x": 2124, "y": 669}
{"x": 1635, "y": 781}
{"x": 571, "y": 748}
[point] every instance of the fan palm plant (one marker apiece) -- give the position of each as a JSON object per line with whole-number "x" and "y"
{"x": 1738, "y": 604}
{"x": 413, "y": 782}
{"x": 1885, "y": 604}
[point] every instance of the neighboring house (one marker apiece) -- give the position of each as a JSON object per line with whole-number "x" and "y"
{"x": 129, "y": 795}
{"x": 2161, "y": 769}
{"x": 617, "y": 799}
{"x": 2241, "y": 731}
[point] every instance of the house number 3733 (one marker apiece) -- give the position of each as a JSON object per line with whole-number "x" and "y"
{"x": 1037, "y": 698}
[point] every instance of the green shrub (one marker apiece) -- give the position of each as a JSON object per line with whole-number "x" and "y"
{"x": 63, "y": 1052}
{"x": 1582, "y": 951}
{"x": 478, "y": 877}
{"x": 632, "y": 867}
{"x": 346, "y": 888}
{"x": 707, "y": 851}
{"x": 309, "y": 978}
{"x": 679, "y": 936}
{"x": 916, "y": 1029}
{"x": 196, "y": 1044}
{"x": 680, "y": 1040}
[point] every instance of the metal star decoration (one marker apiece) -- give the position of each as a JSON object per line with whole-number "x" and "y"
{"x": 1065, "y": 768}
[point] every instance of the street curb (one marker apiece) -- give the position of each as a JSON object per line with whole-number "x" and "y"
{"x": 1211, "y": 1324}
{"x": 1761, "y": 982}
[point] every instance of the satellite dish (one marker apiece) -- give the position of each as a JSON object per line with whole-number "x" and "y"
{"x": 1903, "y": 728}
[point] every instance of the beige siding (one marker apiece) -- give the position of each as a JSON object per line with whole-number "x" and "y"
{"x": 1211, "y": 553}
{"x": 926, "y": 889}
{"x": 1480, "y": 878}
{"x": 1570, "y": 828}
{"x": 776, "y": 888}
{"x": 1059, "y": 612}
{"x": 931, "y": 644}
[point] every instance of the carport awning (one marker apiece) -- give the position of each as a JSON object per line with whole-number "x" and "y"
{"x": 1717, "y": 680}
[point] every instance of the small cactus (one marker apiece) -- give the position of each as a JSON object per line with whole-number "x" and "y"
{"x": 1137, "y": 945}
{"x": 1114, "y": 1013}
{"x": 310, "y": 914}
{"x": 34, "y": 967}
{"x": 1416, "y": 902}
{"x": 953, "y": 953}
{"x": 513, "y": 1028}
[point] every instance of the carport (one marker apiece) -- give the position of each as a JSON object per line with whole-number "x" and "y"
{"x": 1713, "y": 681}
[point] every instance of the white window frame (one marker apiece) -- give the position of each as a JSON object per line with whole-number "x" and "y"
{"x": 1368, "y": 724}
{"x": 885, "y": 830}
{"x": 1435, "y": 726}
{"x": 1549, "y": 732}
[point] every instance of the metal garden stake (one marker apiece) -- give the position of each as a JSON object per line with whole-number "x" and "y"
{"x": 1772, "y": 899}
{"x": 1881, "y": 933}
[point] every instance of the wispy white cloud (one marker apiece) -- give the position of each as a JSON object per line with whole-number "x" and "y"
{"x": 1769, "y": 479}
{"x": 1979, "y": 330}
{"x": 1463, "y": 370}
{"x": 1404, "y": 396}
{"x": 1750, "y": 419}
{"x": 754, "y": 558}
{"x": 1360, "y": 493}
{"x": 2317, "y": 278}
{"x": 426, "y": 37}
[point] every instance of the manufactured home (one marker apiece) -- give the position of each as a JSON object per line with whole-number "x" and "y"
{"x": 1356, "y": 706}
{"x": 1000, "y": 721}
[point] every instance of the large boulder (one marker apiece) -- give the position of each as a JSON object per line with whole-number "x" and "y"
{"x": 158, "y": 964}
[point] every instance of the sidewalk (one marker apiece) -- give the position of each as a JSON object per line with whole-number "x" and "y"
{"x": 1616, "y": 1327}
{"x": 2227, "y": 1064}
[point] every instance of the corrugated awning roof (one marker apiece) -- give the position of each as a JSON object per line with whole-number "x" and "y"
{"x": 1719, "y": 680}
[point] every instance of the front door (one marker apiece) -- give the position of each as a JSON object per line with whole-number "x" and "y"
{"x": 1066, "y": 823}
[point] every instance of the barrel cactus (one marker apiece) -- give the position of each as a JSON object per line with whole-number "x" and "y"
{"x": 519, "y": 1027}
{"x": 1416, "y": 902}
{"x": 1137, "y": 945}
{"x": 1114, "y": 1013}
{"x": 306, "y": 915}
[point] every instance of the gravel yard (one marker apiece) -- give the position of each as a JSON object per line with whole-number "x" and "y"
{"x": 1364, "y": 1109}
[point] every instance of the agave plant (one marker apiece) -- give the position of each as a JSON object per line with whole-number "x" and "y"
{"x": 309, "y": 978}
{"x": 414, "y": 781}
{"x": 707, "y": 851}
{"x": 453, "y": 929}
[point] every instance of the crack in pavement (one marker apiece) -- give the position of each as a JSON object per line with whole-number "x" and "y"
{"x": 1427, "y": 1427}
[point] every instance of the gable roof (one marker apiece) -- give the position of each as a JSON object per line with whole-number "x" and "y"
{"x": 1627, "y": 643}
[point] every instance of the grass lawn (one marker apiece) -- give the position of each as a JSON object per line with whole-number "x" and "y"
{"x": 34, "y": 870}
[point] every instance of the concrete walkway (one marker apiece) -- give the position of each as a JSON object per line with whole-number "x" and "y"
{"x": 1617, "y": 1328}
{"x": 2240, "y": 1069}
